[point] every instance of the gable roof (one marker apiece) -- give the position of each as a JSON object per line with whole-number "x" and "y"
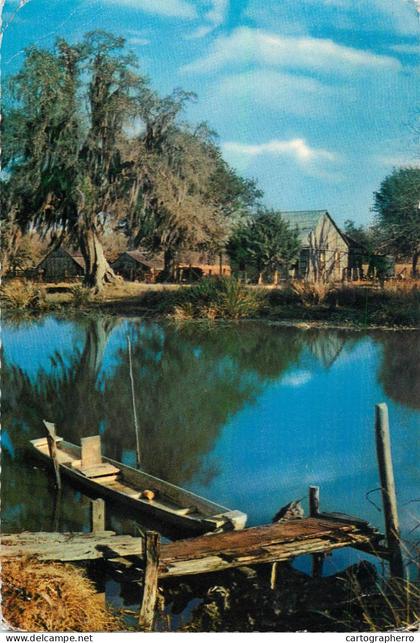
{"x": 141, "y": 258}
{"x": 304, "y": 220}
{"x": 63, "y": 254}
{"x": 307, "y": 220}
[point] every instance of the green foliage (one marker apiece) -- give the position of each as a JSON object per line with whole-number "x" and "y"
{"x": 398, "y": 213}
{"x": 88, "y": 142}
{"x": 80, "y": 296}
{"x": 266, "y": 242}
{"x": 217, "y": 298}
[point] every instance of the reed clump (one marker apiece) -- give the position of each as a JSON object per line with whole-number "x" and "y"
{"x": 52, "y": 597}
{"x": 80, "y": 296}
{"x": 19, "y": 294}
{"x": 217, "y": 298}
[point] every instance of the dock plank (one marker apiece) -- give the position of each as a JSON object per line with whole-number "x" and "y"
{"x": 212, "y": 552}
{"x": 69, "y": 547}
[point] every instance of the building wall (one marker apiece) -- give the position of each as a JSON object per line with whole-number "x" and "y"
{"x": 59, "y": 268}
{"x": 132, "y": 270}
{"x": 326, "y": 255}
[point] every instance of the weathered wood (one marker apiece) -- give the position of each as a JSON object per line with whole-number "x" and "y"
{"x": 97, "y": 515}
{"x": 317, "y": 559}
{"x": 168, "y": 503}
{"x": 69, "y": 547}
{"x": 91, "y": 451}
{"x": 267, "y": 544}
{"x": 273, "y": 575}
{"x": 210, "y": 553}
{"x": 389, "y": 497}
{"x": 52, "y": 449}
{"x": 100, "y": 470}
{"x": 150, "y": 588}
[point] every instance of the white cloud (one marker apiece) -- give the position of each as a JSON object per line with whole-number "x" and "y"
{"x": 214, "y": 18}
{"x": 407, "y": 49}
{"x": 279, "y": 92}
{"x": 138, "y": 42}
{"x": 297, "y": 148}
{"x": 163, "y": 8}
{"x": 296, "y": 379}
{"x": 246, "y": 45}
{"x": 397, "y": 160}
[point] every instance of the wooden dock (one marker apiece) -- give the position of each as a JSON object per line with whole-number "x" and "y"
{"x": 210, "y": 553}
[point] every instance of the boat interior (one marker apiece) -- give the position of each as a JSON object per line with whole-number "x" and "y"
{"x": 90, "y": 464}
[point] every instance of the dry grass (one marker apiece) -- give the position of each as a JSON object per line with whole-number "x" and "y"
{"x": 52, "y": 597}
{"x": 310, "y": 293}
{"x": 394, "y": 606}
{"x": 20, "y": 294}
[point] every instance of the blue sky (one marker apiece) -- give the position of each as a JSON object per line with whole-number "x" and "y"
{"x": 314, "y": 98}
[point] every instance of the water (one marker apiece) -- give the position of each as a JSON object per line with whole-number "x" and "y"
{"x": 247, "y": 415}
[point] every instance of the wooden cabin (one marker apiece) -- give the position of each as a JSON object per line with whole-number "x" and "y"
{"x": 192, "y": 266}
{"x": 135, "y": 265}
{"x": 60, "y": 265}
{"x": 324, "y": 254}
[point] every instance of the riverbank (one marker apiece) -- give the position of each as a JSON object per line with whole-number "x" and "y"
{"x": 394, "y": 306}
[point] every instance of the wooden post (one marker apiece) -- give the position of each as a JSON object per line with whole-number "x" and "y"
{"x": 152, "y": 551}
{"x": 313, "y": 501}
{"x": 133, "y": 401}
{"x": 273, "y": 576}
{"x": 317, "y": 559}
{"x": 52, "y": 448}
{"x": 97, "y": 515}
{"x": 389, "y": 498}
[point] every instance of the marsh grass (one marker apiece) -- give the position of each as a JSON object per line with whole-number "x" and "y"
{"x": 80, "y": 296}
{"x": 22, "y": 295}
{"x": 217, "y": 298}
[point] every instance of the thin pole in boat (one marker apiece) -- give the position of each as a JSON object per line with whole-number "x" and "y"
{"x": 133, "y": 400}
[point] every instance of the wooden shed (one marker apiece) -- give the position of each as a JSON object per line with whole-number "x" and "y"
{"x": 135, "y": 265}
{"x": 192, "y": 266}
{"x": 324, "y": 254}
{"x": 60, "y": 265}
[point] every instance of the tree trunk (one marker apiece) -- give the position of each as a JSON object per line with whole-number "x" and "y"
{"x": 98, "y": 272}
{"x": 169, "y": 265}
{"x": 414, "y": 264}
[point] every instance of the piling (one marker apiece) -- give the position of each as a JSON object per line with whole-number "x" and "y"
{"x": 389, "y": 497}
{"x": 317, "y": 559}
{"x": 97, "y": 508}
{"x": 150, "y": 589}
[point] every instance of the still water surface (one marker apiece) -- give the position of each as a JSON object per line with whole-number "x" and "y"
{"x": 247, "y": 415}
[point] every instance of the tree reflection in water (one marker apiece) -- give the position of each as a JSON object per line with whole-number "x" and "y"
{"x": 190, "y": 381}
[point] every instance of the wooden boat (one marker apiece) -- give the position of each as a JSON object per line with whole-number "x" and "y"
{"x": 104, "y": 477}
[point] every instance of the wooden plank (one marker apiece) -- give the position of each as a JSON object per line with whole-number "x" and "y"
{"x": 99, "y": 470}
{"x": 91, "y": 451}
{"x": 389, "y": 497}
{"x": 69, "y": 547}
{"x": 267, "y": 544}
{"x": 150, "y": 589}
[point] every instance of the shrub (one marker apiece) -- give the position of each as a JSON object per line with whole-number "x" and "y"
{"x": 22, "y": 295}
{"x": 80, "y": 295}
{"x": 217, "y": 298}
{"x": 311, "y": 293}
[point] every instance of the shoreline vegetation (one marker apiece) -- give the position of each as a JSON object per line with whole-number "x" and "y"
{"x": 395, "y": 305}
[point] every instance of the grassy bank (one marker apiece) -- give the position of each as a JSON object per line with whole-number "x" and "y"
{"x": 397, "y": 304}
